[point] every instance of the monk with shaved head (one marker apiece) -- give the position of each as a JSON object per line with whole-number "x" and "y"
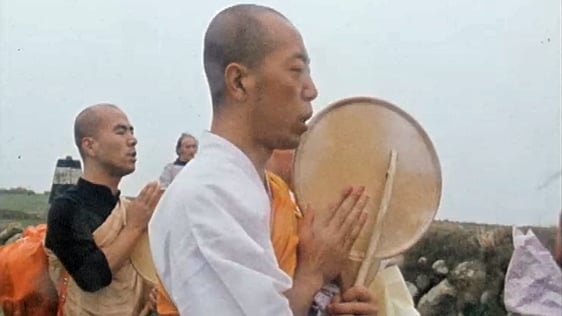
{"x": 92, "y": 230}
{"x": 210, "y": 235}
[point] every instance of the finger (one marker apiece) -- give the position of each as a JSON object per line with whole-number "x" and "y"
{"x": 353, "y": 308}
{"x": 353, "y": 217}
{"x": 347, "y": 206}
{"x": 155, "y": 197}
{"x": 142, "y": 193}
{"x": 358, "y": 293}
{"x": 352, "y": 237}
{"x": 146, "y": 192}
{"x": 333, "y": 210}
{"x": 153, "y": 187}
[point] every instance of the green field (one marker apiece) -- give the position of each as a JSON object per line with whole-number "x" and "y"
{"x": 26, "y": 208}
{"x": 30, "y": 203}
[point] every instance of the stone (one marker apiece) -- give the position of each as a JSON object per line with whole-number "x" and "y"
{"x": 469, "y": 278}
{"x": 423, "y": 282}
{"x": 422, "y": 260}
{"x": 465, "y": 274}
{"x": 439, "y": 301}
{"x": 13, "y": 238}
{"x": 486, "y": 297}
{"x": 440, "y": 267}
{"x": 10, "y": 230}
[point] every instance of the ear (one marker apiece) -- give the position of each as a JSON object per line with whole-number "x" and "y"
{"x": 238, "y": 81}
{"x": 89, "y": 146}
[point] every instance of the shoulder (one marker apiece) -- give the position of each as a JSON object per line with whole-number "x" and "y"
{"x": 66, "y": 204}
{"x": 168, "y": 167}
{"x": 217, "y": 179}
{"x": 63, "y": 216}
{"x": 208, "y": 188}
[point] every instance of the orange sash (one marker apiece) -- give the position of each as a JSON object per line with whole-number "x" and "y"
{"x": 284, "y": 224}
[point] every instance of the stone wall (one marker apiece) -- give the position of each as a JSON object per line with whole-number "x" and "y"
{"x": 459, "y": 268}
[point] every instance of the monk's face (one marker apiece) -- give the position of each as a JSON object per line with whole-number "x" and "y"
{"x": 113, "y": 145}
{"x": 284, "y": 89}
{"x": 281, "y": 163}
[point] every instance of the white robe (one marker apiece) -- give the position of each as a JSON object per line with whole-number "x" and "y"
{"x": 210, "y": 237}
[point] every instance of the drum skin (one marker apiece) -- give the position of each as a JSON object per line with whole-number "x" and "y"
{"x": 349, "y": 143}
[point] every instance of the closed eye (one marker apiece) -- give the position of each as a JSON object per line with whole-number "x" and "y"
{"x": 300, "y": 69}
{"x": 122, "y": 129}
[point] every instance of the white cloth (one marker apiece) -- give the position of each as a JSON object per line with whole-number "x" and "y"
{"x": 392, "y": 294}
{"x": 210, "y": 237}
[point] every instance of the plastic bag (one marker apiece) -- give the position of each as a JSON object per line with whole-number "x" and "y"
{"x": 533, "y": 282}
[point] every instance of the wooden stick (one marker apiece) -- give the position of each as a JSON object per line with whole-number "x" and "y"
{"x": 375, "y": 235}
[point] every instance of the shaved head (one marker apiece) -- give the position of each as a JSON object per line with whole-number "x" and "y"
{"x": 235, "y": 35}
{"x": 87, "y": 123}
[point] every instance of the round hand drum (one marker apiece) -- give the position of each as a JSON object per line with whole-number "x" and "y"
{"x": 350, "y": 143}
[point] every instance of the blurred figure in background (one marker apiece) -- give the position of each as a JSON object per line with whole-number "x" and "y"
{"x": 186, "y": 148}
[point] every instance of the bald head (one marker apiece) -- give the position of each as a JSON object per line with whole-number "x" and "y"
{"x": 88, "y": 121}
{"x": 235, "y": 35}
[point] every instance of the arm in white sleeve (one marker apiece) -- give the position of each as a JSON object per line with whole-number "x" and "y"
{"x": 217, "y": 257}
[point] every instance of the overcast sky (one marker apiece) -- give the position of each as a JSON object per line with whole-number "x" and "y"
{"x": 482, "y": 77}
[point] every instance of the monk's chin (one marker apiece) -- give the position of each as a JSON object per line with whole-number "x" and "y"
{"x": 121, "y": 172}
{"x": 287, "y": 144}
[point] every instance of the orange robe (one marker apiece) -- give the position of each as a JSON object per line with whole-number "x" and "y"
{"x": 284, "y": 235}
{"x": 25, "y": 286}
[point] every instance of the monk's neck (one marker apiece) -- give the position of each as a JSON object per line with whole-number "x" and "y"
{"x": 102, "y": 178}
{"x": 239, "y": 136}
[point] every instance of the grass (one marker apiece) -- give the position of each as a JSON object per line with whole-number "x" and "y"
{"x": 23, "y": 202}
{"x": 26, "y": 208}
